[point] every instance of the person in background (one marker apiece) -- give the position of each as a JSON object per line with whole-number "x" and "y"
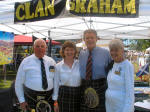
{"x": 147, "y": 56}
{"x": 93, "y": 69}
{"x": 67, "y": 80}
{"x": 120, "y": 91}
{"x": 34, "y": 81}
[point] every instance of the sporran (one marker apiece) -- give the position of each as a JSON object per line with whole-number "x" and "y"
{"x": 91, "y": 97}
{"x": 43, "y": 106}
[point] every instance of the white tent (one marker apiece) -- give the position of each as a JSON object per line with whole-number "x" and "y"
{"x": 73, "y": 27}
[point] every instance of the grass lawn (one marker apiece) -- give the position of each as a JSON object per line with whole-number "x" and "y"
{"x": 10, "y": 77}
{"x": 5, "y": 84}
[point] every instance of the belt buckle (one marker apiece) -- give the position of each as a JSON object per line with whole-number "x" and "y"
{"x": 91, "y": 97}
{"x": 40, "y": 97}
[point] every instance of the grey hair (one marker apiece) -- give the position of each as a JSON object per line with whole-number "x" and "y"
{"x": 90, "y": 31}
{"x": 38, "y": 40}
{"x": 116, "y": 43}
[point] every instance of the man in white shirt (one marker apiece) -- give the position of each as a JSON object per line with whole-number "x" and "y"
{"x": 34, "y": 81}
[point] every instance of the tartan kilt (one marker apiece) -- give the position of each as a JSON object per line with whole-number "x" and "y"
{"x": 31, "y": 97}
{"x": 100, "y": 86}
{"x": 69, "y": 99}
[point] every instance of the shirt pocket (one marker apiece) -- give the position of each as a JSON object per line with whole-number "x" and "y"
{"x": 51, "y": 71}
{"x": 82, "y": 68}
{"x": 65, "y": 77}
{"x": 51, "y": 75}
{"x": 98, "y": 68}
{"x": 31, "y": 70}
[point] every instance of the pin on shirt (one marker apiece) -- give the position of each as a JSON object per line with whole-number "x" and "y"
{"x": 117, "y": 72}
{"x": 52, "y": 69}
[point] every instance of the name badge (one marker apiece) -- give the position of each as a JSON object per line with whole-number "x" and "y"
{"x": 117, "y": 72}
{"x": 52, "y": 69}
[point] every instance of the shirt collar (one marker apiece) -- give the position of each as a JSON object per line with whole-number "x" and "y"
{"x": 38, "y": 58}
{"x": 94, "y": 49}
{"x": 63, "y": 62}
{"x": 74, "y": 62}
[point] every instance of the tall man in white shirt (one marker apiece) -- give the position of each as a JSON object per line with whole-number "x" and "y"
{"x": 34, "y": 81}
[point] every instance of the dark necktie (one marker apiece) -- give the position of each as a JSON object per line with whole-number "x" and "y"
{"x": 44, "y": 79}
{"x": 89, "y": 67}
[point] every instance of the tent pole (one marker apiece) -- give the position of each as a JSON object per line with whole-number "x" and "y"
{"x": 49, "y": 44}
{"x": 90, "y": 23}
{"x": 35, "y": 30}
{"x": 85, "y": 22}
{"x": 13, "y": 28}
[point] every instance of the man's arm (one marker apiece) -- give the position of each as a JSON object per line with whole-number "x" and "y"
{"x": 20, "y": 78}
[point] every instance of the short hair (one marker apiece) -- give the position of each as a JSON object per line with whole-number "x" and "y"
{"x": 90, "y": 31}
{"x": 39, "y": 39}
{"x": 116, "y": 43}
{"x": 70, "y": 45}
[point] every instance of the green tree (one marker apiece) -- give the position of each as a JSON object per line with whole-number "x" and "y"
{"x": 140, "y": 44}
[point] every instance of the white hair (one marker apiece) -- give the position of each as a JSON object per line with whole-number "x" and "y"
{"x": 38, "y": 40}
{"x": 116, "y": 43}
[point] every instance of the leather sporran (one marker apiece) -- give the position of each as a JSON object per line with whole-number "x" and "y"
{"x": 43, "y": 106}
{"x": 91, "y": 97}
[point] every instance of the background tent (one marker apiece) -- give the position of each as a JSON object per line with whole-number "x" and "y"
{"x": 27, "y": 40}
{"x": 72, "y": 28}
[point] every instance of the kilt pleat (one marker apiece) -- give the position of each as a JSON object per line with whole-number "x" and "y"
{"x": 100, "y": 86}
{"x": 69, "y": 99}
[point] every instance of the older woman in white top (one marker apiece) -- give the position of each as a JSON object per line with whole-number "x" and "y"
{"x": 67, "y": 81}
{"x": 120, "y": 92}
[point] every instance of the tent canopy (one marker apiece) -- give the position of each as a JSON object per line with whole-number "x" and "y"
{"x": 73, "y": 27}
